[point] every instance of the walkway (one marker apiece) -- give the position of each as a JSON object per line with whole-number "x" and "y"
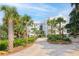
{"x": 43, "y": 48}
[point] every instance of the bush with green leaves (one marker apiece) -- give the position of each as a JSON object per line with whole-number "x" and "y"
{"x": 58, "y": 38}
{"x": 52, "y": 37}
{"x": 19, "y": 42}
{"x": 31, "y": 39}
{"x": 3, "y": 44}
{"x": 22, "y": 41}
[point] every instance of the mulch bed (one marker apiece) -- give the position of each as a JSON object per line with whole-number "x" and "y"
{"x": 14, "y": 50}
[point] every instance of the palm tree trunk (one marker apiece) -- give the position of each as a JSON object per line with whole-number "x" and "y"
{"x": 51, "y": 29}
{"x": 25, "y": 34}
{"x": 54, "y": 32}
{"x": 62, "y": 32}
{"x": 60, "y": 29}
{"x": 10, "y": 34}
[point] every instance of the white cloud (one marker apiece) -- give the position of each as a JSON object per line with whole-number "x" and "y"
{"x": 37, "y": 8}
{"x": 46, "y": 9}
{"x": 49, "y": 7}
{"x": 26, "y": 6}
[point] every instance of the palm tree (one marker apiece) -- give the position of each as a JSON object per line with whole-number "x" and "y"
{"x": 60, "y": 20}
{"x": 18, "y": 27}
{"x": 49, "y": 24}
{"x": 53, "y": 24}
{"x": 19, "y": 30}
{"x": 35, "y": 31}
{"x": 25, "y": 21}
{"x": 10, "y": 15}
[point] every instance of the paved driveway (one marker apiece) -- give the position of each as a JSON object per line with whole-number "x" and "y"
{"x": 43, "y": 48}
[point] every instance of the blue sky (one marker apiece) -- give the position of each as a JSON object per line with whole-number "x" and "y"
{"x": 41, "y": 11}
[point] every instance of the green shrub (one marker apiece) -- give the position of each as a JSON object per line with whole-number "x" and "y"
{"x": 66, "y": 39}
{"x": 19, "y": 42}
{"x": 3, "y": 44}
{"x": 3, "y": 35}
{"x": 31, "y": 39}
{"x": 22, "y": 42}
{"x": 58, "y": 38}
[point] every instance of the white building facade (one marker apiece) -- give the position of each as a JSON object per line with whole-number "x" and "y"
{"x": 35, "y": 25}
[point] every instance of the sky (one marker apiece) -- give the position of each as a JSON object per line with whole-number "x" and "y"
{"x": 40, "y": 11}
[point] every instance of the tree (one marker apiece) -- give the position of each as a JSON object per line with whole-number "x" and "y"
{"x": 10, "y": 15}
{"x": 18, "y": 27}
{"x": 60, "y": 20}
{"x": 35, "y": 31}
{"x": 73, "y": 24}
{"x": 52, "y": 23}
{"x": 41, "y": 32}
{"x": 25, "y": 20}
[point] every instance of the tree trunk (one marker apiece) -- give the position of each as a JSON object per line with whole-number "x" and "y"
{"x": 51, "y": 29}
{"x": 25, "y": 34}
{"x": 54, "y": 32}
{"x": 10, "y": 34}
{"x": 60, "y": 29}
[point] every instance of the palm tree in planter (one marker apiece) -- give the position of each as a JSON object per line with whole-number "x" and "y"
{"x": 52, "y": 23}
{"x": 10, "y": 15}
{"x": 60, "y": 20}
